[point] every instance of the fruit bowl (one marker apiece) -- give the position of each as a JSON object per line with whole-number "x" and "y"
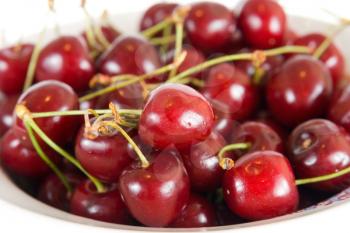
{"x": 15, "y": 204}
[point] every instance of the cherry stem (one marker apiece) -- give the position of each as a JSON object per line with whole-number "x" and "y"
{"x": 101, "y": 37}
{"x": 241, "y": 56}
{"x": 322, "y": 178}
{"x": 228, "y": 163}
{"x": 90, "y": 33}
{"x": 149, "y": 32}
{"x": 33, "y": 61}
{"x": 46, "y": 159}
{"x": 164, "y": 40}
{"x": 83, "y": 112}
{"x": 166, "y": 34}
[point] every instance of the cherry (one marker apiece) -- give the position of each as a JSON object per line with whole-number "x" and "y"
{"x": 319, "y": 147}
{"x": 175, "y": 114}
{"x": 260, "y": 136}
{"x": 224, "y": 124}
{"x": 107, "y": 206}
{"x": 260, "y": 186}
{"x": 7, "y": 105}
{"x": 23, "y": 160}
{"x": 299, "y": 91}
{"x": 290, "y": 36}
{"x": 104, "y": 157}
{"x": 339, "y": 108}
{"x": 49, "y": 96}
{"x": 66, "y": 59}
{"x": 332, "y": 57}
{"x": 198, "y": 213}
{"x": 263, "y": 23}
{"x": 88, "y": 104}
{"x": 130, "y": 55}
{"x": 157, "y": 194}
{"x": 266, "y": 118}
{"x": 209, "y": 26}
{"x": 53, "y": 192}
{"x": 230, "y": 91}
{"x": 202, "y": 163}
{"x": 14, "y": 63}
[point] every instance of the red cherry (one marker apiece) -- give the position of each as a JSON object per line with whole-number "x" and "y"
{"x": 224, "y": 125}
{"x": 198, "y": 213}
{"x": 14, "y": 63}
{"x": 319, "y": 147}
{"x": 21, "y": 159}
{"x": 202, "y": 163}
{"x": 49, "y": 96}
{"x": 209, "y": 26}
{"x": 7, "y": 105}
{"x": 260, "y": 186}
{"x": 230, "y": 91}
{"x": 226, "y": 217}
{"x": 104, "y": 157}
{"x": 107, "y": 206}
{"x": 300, "y": 90}
{"x": 263, "y": 23}
{"x": 130, "y": 55}
{"x": 157, "y": 194}
{"x": 175, "y": 114}
{"x": 66, "y": 59}
{"x": 266, "y": 118}
{"x": 332, "y": 57}
{"x": 290, "y": 36}
{"x": 339, "y": 108}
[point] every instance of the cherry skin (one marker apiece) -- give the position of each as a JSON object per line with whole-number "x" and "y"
{"x": 157, "y": 194}
{"x": 260, "y": 186}
{"x": 230, "y": 91}
{"x": 339, "y": 108}
{"x": 54, "y": 193}
{"x": 209, "y": 26}
{"x": 202, "y": 163}
{"x": 263, "y": 23}
{"x": 130, "y": 55}
{"x": 175, "y": 114}
{"x": 319, "y": 147}
{"x": 14, "y": 63}
{"x": 224, "y": 125}
{"x": 332, "y": 57}
{"x": 66, "y": 59}
{"x": 107, "y": 206}
{"x": 21, "y": 159}
{"x": 266, "y": 118}
{"x": 198, "y": 213}
{"x": 299, "y": 91}
{"x": 48, "y": 96}
{"x": 104, "y": 157}
{"x": 7, "y": 105}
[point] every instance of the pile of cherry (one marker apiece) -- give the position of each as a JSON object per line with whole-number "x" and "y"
{"x": 208, "y": 118}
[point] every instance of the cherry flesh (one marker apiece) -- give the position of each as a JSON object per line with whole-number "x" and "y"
{"x": 7, "y": 105}
{"x": 247, "y": 193}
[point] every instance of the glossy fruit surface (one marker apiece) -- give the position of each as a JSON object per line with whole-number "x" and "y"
{"x": 339, "y": 108}
{"x": 7, "y": 105}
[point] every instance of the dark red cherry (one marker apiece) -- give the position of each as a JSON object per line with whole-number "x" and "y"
{"x": 7, "y": 105}
{"x": 21, "y": 159}
{"x": 107, "y": 206}
{"x": 14, "y": 63}
{"x": 259, "y": 135}
{"x": 104, "y": 157}
{"x": 290, "y": 36}
{"x": 230, "y": 92}
{"x": 66, "y": 59}
{"x": 88, "y": 104}
{"x": 54, "y": 193}
{"x": 224, "y": 124}
{"x": 332, "y": 57}
{"x": 299, "y": 91}
{"x": 266, "y": 118}
{"x": 226, "y": 217}
{"x": 263, "y": 23}
{"x": 319, "y": 147}
{"x": 50, "y": 96}
{"x": 209, "y": 26}
{"x": 260, "y": 186}
{"x": 175, "y": 114}
{"x": 339, "y": 108}
{"x": 130, "y": 55}
{"x": 202, "y": 163}
{"x": 157, "y": 194}
{"x": 199, "y": 212}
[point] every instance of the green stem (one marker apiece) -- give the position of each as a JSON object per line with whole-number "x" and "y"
{"x": 164, "y": 40}
{"x": 101, "y": 37}
{"x": 149, "y": 32}
{"x": 46, "y": 159}
{"x": 82, "y": 112}
{"x": 178, "y": 45}
{"x": 228, "y": 163}
{"x": 321, "y": 49}
{"x": 89, "y": 29}
{"x": 322, "y": 178}
{"x": 166, "y": 34}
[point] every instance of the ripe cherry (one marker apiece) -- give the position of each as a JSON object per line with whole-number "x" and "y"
{"x": 14, "y": 63}
{"x": 175, "y": 114}
{"x": 260, "y": 186}
{"x": 224, "y": 125}
{"x": 66, "y": 59}
{"x": 332, "y": 57}
{"x": 7, "y": 105}
{"x": 319, "y": 147}
{"x": 230, "y": 91}
{"x": 199, "y": 212}
{"x": 339, "y": 108}
{"x": 157, "y": 194}
{"x": 107, "y": 206}
{"x": 209, "y": 26}
{"x": 299, "y": 91}
{"x": 266, "y": 118}
{"x": 263, "y": 23}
